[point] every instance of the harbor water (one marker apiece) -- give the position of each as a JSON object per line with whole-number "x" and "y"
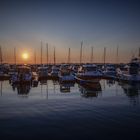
{"x": 107, "y": 110}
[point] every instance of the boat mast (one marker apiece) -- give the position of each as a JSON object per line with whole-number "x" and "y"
{"x": 117, "y": 55}
{"x": 1, "y": 60}
{"x": 47, "y": 56}
{"x": 81, "y": 52}
{"x": 91, "y": 59}
{"x": 104, "y": 55}
{"x": 69, "y": 56}
{"x": 35, "y": 57}
{"x": 15, "y": 59}
{"x": 41, "y": 53}
{"x": 139, "y": 52}
{"x": 54, "y": 56}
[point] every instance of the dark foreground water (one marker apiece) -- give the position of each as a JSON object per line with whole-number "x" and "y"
{"x": 108, "y": 110}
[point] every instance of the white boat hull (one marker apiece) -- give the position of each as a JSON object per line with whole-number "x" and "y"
{"x": 68, "y": 78}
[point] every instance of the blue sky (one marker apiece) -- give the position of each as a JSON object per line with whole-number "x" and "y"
{"x": 66, "y": 23}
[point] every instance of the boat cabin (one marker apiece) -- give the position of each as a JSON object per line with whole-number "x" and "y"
{"x": 87, "y": 68}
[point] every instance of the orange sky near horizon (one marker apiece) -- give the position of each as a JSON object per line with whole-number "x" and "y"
{"x": 62, "y": 55}
{"x": 64, "y": 24}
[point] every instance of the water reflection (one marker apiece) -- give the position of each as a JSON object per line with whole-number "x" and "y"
{"x": 110, "y": 82}
{"x": 65, "y": 87}
{"x": 55, "y": 82}
{"x": 53, "y": 89}
{"x": 132, "y": 91}
{"x": 1, "y": 86}
{"x": 22, "y": 89}
{"x": 43, "y": 82}
{"x": 90, "y": 89}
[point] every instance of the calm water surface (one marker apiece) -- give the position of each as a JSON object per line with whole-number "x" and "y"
{"x": 108, "y": 110}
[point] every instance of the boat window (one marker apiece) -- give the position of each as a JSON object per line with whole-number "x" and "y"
{"x": 111, "y": 69}
{"x": 90, "y": 69}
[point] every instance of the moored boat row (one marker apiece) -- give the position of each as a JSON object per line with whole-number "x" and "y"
{"x": 84, "y": 73}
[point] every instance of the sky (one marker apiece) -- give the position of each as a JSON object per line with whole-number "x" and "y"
{"x": 64, "y": 24}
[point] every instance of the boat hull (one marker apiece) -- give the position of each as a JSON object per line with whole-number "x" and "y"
{"x": 21, "y": 82}
{"x": 88, "y": 79}
{"x": 129, "y": 78}
{"x": 4, "y": 77}
{"x": 65, "y": 79}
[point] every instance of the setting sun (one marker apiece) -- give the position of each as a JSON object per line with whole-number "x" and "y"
{"x": 25, "y": 56}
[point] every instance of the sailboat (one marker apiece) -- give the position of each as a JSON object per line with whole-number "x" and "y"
{"x": 42, "y": 70}
{"x": 23, "y": 76}
{"x": 55, "y": 69}
{"x": 109, "y": 70}
{"x": 13, "y": 69}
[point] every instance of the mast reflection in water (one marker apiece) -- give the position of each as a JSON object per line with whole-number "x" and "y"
{"x": 65, "y": 87}
{"x": 22, "y": 89}
{"x": 90, "y": 89}
{"x": 48, "y": 107}
{"x": 110, "y": 82}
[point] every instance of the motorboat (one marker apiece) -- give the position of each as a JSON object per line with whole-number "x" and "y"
{"x": 3, "y": 72}
{"x": 74, "y": 69}
{"x": 132, "y": 73}
{"x": 65, "y": 74}
{"x": 55, "y": 71}
{"x": 109, "y": 71}
{"x": 42, "y": 72}
{"x": 22, "y": 76}
{"x": 65, "y": 87}
{"x": 88, "y": 73}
